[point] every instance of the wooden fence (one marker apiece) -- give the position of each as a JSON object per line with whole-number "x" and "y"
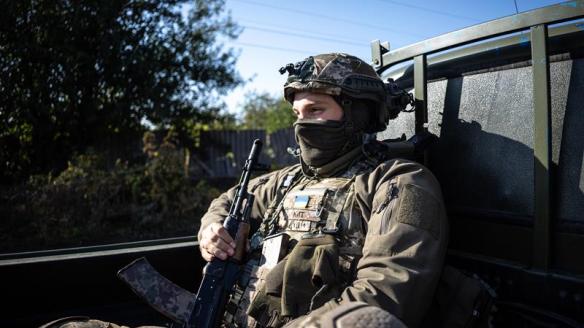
{"x": 224, "y": 152}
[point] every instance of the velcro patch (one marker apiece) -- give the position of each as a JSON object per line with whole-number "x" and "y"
{"x": 420, "y": 209}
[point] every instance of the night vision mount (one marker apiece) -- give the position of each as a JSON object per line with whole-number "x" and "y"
{"x": 398, "y": 99}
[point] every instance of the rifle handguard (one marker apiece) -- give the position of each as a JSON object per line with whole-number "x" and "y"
{"x": 241, "y": 242}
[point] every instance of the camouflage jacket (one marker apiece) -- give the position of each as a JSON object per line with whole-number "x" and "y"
{"x": 392, "y": 231}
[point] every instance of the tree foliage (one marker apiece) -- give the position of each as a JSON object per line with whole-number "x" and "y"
{"x": 80, "y": 74}
{"x": 262, "y": 110}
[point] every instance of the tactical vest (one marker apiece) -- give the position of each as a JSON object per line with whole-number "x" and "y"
{"x": 310, "y": 211}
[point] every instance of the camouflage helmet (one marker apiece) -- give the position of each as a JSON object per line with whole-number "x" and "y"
{"x": 339, "y": 74}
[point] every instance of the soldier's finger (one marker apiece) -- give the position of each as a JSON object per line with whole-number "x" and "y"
{"x": 203, "y": 249}
{"x": 206, "y": 255}
{"x": 217, "y": 252}
{"x": 202, "y": 246}
{"x": 223, "y": 234}
{"x": 223, "y": 246}
{"x": 208, "y": 232}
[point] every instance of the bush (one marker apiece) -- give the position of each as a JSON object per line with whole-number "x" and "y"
{"x": 89, "y": 204}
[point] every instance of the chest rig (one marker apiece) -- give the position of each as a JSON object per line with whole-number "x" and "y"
{"x": 315, "y": 207}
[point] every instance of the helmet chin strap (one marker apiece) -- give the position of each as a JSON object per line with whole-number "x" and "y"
{"x": 347, "y": 104}
{"x": 350, "y": 130}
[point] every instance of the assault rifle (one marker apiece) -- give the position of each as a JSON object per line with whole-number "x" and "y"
{"x": 220, "y": 276}
{"x": 205, "y": 309}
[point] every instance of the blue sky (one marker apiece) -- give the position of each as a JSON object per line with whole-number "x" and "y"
{"x": 279, "y": 32}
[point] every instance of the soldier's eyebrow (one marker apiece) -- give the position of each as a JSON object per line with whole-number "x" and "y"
{"x": 316, "y": 102}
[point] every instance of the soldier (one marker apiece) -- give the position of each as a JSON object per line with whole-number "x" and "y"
{"x": 351, "y": 225}
{"x": 353, "y": 235}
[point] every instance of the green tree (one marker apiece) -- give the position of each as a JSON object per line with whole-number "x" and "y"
{"x": 263, "y": 111}
{"x": 80, "y": 74}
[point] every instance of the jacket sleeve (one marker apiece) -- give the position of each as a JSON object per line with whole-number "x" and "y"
{"x": 406, "y": 240}
{"x": 264, "y": 188}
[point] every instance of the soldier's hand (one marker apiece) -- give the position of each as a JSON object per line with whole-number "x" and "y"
{"x": 216, "y": 242}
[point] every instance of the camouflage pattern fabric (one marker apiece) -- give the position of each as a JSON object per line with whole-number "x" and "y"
{"x": 330, "y": 74}
{"x": 167, "y": 298}
{"x": 339, "y": 74}
{"x": 81, "y": 322}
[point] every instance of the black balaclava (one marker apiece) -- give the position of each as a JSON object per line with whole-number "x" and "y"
{"x": 323, "y": 141}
